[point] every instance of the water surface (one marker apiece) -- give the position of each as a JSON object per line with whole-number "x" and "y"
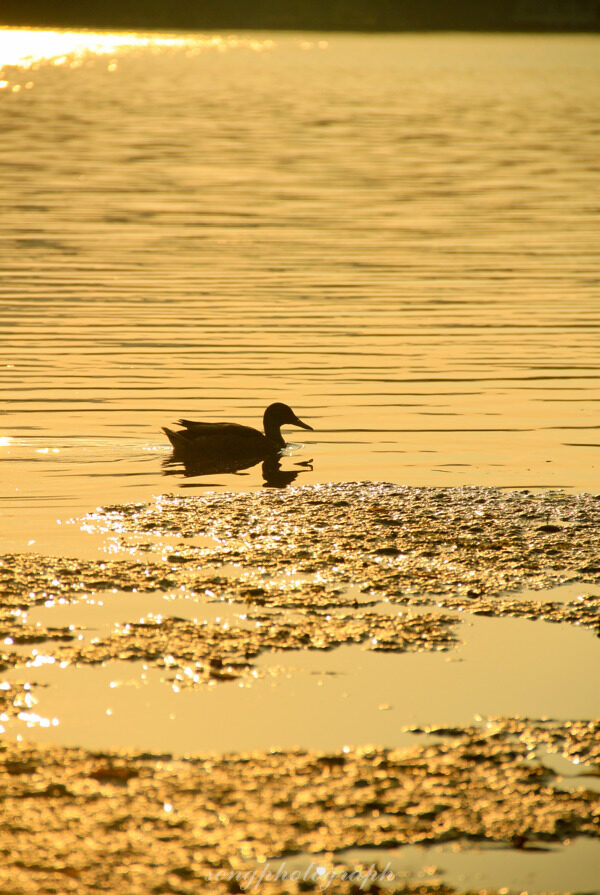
{"x": 396, "y": 234}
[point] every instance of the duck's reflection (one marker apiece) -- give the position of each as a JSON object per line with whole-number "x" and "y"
{"x": 273, "y": 474}
{"x": 276, "y": 477}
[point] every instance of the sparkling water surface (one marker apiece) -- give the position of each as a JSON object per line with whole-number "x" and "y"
{"x": 397, "y": 235}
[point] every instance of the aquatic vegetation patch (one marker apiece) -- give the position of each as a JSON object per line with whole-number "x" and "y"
{"x": 314, "y": 563}
{"x": 327, "y": 552}
{"x": 32, "y": 579}
{"x": 462, "y": 547}
{"x": 157, "y": 823}
{"x": 577, "y": 740}
{"x": 15, "y": 698}
{"x": 193, "y": 652}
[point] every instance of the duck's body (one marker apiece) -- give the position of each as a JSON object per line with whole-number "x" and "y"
{"x": 232, "y": 439}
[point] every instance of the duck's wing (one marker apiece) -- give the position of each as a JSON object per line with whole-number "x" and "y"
{"x": 195, "y": 429}
{"x": 193, "y": 424}
{"x": 223, "y": 439}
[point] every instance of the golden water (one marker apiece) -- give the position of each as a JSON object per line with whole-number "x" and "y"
{"x": 397, "y": 235}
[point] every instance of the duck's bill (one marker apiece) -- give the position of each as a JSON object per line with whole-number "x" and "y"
{"x": 298, "y": 422}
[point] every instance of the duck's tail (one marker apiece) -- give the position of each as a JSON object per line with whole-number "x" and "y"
{"x": 175, "y": 438}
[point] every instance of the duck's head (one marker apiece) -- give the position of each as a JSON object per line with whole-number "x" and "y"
{"x": 277, "y": 415}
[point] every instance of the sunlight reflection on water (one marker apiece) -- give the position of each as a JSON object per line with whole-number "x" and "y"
{"x": 315, "y": 698}
{"x": 26, "y": 48}
{"x": 394, "y": 234}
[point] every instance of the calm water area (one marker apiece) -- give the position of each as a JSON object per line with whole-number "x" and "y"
{"x": 396, "y": 235}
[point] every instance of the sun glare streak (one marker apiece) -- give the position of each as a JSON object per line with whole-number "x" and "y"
{"x": 26, "y": 49}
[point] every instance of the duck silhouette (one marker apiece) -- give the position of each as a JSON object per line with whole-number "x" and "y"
{"x": 231, "y": 442}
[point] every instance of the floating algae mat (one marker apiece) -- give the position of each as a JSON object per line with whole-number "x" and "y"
{"x": 339, "y": 546}
{"x": 315, "y": 698}
{"x": 328, "y": 553}
{"x": 77, "y": 821}
{"x": 324, "y": 617}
